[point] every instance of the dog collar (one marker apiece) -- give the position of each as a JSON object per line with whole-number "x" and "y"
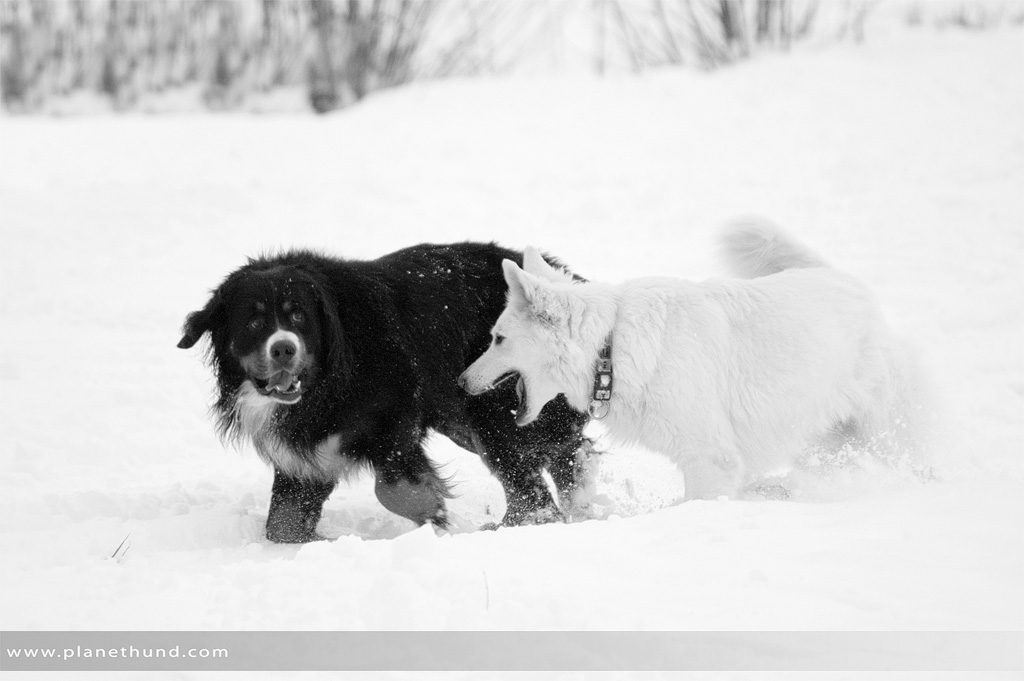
{"x": 602, "y": 395}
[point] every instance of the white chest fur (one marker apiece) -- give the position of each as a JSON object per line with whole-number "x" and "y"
{"x": 255, "y": 413}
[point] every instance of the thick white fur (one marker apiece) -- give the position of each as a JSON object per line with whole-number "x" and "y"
{"x": 733, "y": 378}
{"x": 254, "y": 414}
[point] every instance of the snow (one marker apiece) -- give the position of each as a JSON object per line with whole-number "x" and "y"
{"x": 900, "y": 160}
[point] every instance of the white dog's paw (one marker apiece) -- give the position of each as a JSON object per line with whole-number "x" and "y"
{"x": 594, "y": 507}
{"x": 767, "y": 490}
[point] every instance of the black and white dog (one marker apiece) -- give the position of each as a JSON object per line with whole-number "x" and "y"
{"x": 328, "y": 365}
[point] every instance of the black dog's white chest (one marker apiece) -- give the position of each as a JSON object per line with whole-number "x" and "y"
{"x": 255, "y": 417}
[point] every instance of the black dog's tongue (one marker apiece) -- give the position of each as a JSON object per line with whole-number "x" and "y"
{"x": 282, "y": 381}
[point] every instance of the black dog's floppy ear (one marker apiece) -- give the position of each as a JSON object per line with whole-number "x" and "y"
{"x": 199, "y": 322}
{"x": 337, "y": 350}
{"x": 336, "y": 358}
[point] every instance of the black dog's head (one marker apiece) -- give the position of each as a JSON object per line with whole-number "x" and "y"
{"x": 273, "y": 325}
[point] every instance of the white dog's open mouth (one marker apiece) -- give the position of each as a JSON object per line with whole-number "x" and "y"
{"x": 504, "y": 378}
{"x": 521, "y": 394}
{"x": 282, "y": 386}
{"x": 520, "y": 388}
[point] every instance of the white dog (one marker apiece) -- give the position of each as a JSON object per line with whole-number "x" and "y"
{"x": 733, "y": 378}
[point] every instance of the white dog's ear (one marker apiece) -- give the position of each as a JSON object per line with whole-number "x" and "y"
{"x": 534, "y": 263}
{"x": 534, "y": 294}
{"x": 513, "y": 277}
{"x": 522, "y": 286}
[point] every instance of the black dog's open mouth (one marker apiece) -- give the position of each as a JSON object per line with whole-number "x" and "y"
{"x": 282, "y": 386}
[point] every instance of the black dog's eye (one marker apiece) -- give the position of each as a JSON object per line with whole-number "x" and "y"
{"x": 498, "y": 339}
{"x": 297, "y": 317}
{"x": 256, "y": 323}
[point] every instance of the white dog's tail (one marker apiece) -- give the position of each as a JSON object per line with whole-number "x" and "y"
{"x": 756, "y": 248}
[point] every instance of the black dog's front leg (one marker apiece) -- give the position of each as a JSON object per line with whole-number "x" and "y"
{"x": 570, "y": 457}
{"x": 409, "y": 485}
{"x": 295, "y": 508}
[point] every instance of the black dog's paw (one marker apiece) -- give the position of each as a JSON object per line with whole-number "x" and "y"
{"x": 292, "y": 535}
{"x": 440, "y": 519}
{"x": 421, "y": 502}
{"x": 532, "y": 516}
{"x": 515, "y": 517}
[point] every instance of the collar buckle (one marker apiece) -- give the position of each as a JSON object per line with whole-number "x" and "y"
{"x": 603, "y": 380}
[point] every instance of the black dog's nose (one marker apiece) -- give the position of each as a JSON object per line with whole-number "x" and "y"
{"x": 283, "y": 352}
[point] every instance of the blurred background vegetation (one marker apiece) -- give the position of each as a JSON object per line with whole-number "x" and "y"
{"x": 71, "y": 56}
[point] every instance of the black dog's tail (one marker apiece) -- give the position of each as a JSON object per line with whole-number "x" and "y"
{"x": 754, "y": 247}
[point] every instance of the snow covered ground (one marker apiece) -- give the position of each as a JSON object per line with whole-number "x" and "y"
{"x": 901, "y": 160}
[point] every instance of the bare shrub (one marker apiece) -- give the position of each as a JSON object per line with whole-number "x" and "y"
{"x": 976, "y": 15}
{"x": 718, "y": 32}
{"x": 128, "y": 53}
